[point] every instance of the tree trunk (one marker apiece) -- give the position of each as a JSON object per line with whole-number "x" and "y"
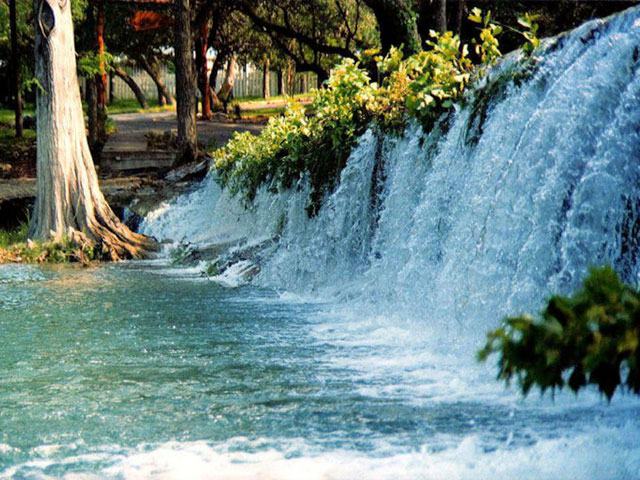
{"x": 15, "y": 69}
{"x": 112, "y": 95}
{"x": 323, "y": 76}
{"x": 396, "y": 23}
{"x": 153, "y": 70}
{"x": 282, "y": 89}
{"x": 441, "y": 15}
{"x": 69, "y": 202}
{"x": 218, "y": 63}
{"x": 185, "y": 84}
{"x": 92, "y": 112}
{"x": 266, "y": 78}
{"x": 204, "y": 71}
{"x": 101, "y": 79}
{"x": 162, "y": 100}
{"x": 291, "y": 78}
{"x": 131, "y": 83}
{"x": 226, "y": 90}
{"x": 460, "y": 17}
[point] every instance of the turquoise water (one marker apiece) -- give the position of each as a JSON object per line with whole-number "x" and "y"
{"x": 141, "y": 371}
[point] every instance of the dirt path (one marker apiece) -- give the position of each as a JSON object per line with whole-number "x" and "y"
{"x": 127, "y": 152}
{"x": 132, "y": 128}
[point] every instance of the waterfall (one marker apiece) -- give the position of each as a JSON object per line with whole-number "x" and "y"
{"x": 483, "y": 217}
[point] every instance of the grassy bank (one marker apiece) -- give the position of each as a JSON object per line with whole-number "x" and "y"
{"x": 15, "y": 247}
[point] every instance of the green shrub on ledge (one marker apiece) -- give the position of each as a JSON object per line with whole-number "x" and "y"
{"x": 422, "y": 87}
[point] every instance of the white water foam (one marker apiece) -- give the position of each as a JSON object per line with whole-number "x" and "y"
{"x": 560, "y": 458}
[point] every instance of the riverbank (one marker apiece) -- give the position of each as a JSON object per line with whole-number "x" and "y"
{"x": 136, "y": 174}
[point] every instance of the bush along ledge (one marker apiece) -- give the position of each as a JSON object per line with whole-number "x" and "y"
{"x": 317, "y": 143}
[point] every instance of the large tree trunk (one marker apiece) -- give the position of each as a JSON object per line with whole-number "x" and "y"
{"x": 396, "y": 23}
{"x": 185, "y": 84}
{"x": 69, "y": 202}
{"x": 152, "y": 69}
{"x": 131, "y": 83}
{"x": 15, "y": 69}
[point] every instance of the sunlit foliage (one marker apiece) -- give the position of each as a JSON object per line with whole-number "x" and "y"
{"x": 422, "y": 87}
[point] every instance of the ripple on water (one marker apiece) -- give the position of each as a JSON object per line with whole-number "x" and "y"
{"x": 12, "y": 273}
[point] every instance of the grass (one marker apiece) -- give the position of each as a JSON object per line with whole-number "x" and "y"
{"x": 129, "y": 105}
{"x": 8, "y": 136}
{"x": 251, "y": 106}
{"x": 12, "y": 237}
{"x": 15, "y": 247}
{"x": 7, "y": 116}
{"x": 246, "y": 102}
{"x": 260, "y": 107}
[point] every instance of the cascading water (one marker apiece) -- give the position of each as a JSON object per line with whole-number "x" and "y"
{"x": 516, "y": 200}
{"x": 429, "y": 239}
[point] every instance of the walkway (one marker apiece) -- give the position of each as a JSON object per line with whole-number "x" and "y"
{"x": 127, "y": 150}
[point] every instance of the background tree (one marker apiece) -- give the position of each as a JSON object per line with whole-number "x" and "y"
{"x": 15, "y": 68}
{"x": 185, "y": 83}
{"x": 139, "y": 45}
{"x": 314, "y": 34}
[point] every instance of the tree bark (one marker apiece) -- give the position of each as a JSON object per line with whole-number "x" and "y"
{"x": 441, "y": 15}
{"x": 101, "y": 80}
{"x": 396, "y": 23}
{"x": 153, "y": 70}
{"x": 226, "y": 90}
{"x": 204, "y": 71}
{"x": 112, "y": 95}
{"x": 460, "y": 16}
{"x": 15, "y": 69}
{"x": 291, "y": 78}
{"x": 266, "y": 78}
{"x": 282, "y": 89}
{"x": 185, "y": 84}
{"x": 69, "y": 203}
{"x": 92, "y": 112}
{"x": 218, "y": 63}
{"x": 131, "y": 83}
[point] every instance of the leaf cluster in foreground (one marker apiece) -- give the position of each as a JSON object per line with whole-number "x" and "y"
{"x": 590, "y": 338}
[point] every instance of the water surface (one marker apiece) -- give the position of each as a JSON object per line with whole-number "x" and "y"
{"x": 139, "y": 370}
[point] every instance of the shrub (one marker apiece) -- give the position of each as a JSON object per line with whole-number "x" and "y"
{"x": 422, "y": 86}
{"x": 295, "y": 143}
{"x": 586, "y": 339}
